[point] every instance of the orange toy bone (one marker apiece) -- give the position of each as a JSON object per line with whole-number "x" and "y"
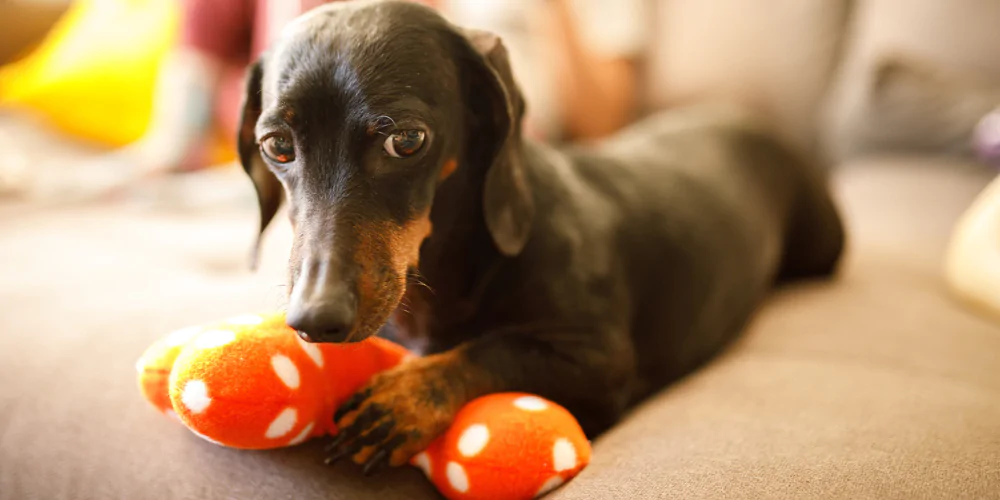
{"x": 250, "y": 382}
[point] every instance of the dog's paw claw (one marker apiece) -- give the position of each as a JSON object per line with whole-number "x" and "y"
{"x": 395, "y": 417}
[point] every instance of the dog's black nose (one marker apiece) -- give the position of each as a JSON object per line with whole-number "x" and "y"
{"x": 322, "y": 321}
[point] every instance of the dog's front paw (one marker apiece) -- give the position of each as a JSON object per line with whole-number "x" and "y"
{"x": 396, "y": 415}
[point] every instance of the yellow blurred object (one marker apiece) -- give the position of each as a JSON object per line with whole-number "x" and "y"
{"x": 94, "y": 74}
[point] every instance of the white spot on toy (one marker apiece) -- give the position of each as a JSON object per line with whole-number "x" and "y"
{"x": 302, "y": 435}
{"x": 530, "y": 403}
{"x": 423, "y": 460}
{"x": 172, "y": 414}
{"x": 246, "y": 319}
{"x": 181, "y": 336}
{"x": 473, "y": 440}
{"x": 214, "y": 338}
{"x": 282, "y": 424}
{"x": 312, "y": 351}
{"x": 563, "y": 455}
{"x": 457, "y": 477}
{"x": 553, "y": 483}
{"x": 195, "y": 396}
{"x": 286, "y": 370}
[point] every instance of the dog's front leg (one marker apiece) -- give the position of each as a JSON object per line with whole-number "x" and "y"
{"x": 401, "y": 411}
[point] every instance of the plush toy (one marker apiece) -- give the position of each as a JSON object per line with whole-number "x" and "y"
{"x": 251, "y": 382}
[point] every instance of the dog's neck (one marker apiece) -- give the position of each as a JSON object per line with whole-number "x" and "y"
{"x": 456, "y": 261}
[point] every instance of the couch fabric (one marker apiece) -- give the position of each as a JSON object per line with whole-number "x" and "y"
{"x": 876, "y": 385}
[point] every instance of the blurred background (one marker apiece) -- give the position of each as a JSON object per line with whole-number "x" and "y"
{"x": 123, "y": 214}
{"x": 134, "y": 89}
{"x": 126, "y": 109}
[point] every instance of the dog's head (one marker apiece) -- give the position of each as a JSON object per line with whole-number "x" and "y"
{"x": 360, "y": 116}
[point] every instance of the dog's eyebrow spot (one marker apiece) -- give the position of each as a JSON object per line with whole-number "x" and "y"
{"x": 289, "y": 117}
{"x": 448, "y": 168}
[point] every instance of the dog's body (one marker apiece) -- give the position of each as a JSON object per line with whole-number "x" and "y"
{"x": 591, "y": 276}
{"x": 648, "y": 252}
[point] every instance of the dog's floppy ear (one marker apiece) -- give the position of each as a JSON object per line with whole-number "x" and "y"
{"x": 496, "y": 102}
{"x": 269, "y": 190}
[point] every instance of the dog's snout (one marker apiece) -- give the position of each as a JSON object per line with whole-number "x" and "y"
{"x": 329, "y": 320}
{"x": 322, "y": 307}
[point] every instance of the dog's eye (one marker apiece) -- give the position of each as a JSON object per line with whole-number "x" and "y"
{"x": 278, "y": 148}
{"x": 404, "y": 143}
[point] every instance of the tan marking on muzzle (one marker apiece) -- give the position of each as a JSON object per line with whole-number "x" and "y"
{"x": 406, "y": 243}
{"x": 378, "y": 292}
{"x": 381, "y": 247}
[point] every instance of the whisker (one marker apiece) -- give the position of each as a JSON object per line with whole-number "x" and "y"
{"x": 418, "y": 279}
{"x": 404, "y": 305}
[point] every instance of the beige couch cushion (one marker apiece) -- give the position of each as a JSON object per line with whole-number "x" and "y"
{"x": 85, "y": 289}
{"x": 779, "y": 57}
{"x": 877, "y": 386}
{"x": 956, "y": 38}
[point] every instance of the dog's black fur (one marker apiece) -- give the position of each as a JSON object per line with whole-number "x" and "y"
{"x": 591, "y": 276}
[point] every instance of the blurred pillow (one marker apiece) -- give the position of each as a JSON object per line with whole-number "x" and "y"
{"x": 936, "y": 37}
{"x": 781, "y": 57}
{"x": 917, "y": 107}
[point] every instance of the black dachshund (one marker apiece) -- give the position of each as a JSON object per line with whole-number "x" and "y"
{"x": 591, "y": 276}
